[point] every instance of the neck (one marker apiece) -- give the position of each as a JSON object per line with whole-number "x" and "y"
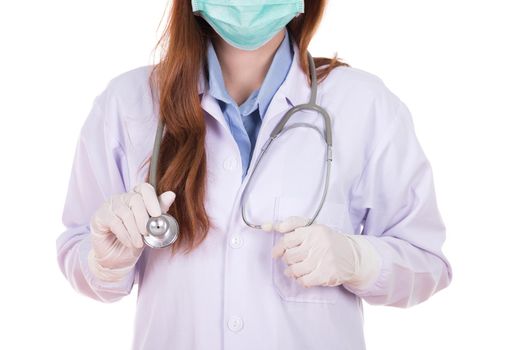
{"x": 243, "y": 70}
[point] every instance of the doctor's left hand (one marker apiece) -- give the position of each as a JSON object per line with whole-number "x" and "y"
{"x": 319, "y": 256}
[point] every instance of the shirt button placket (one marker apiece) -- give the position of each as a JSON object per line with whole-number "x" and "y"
{"x": 234, "y": 322}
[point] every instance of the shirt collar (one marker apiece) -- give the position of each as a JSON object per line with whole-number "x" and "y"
{"x": 293, "y": 91}
{"x": 262, "y": 97}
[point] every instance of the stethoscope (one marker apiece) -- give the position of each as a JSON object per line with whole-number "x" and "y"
{"x": 164, "y": 230}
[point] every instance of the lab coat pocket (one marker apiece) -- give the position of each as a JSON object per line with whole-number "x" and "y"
{"x": 288, "y": 287}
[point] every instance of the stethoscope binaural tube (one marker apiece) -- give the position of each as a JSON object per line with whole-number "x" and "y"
{"x": 162, "y": 230}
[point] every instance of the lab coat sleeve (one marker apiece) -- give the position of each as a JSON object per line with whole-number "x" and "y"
{"x": 401, "y": 219}
{"x": 98, "y": 172}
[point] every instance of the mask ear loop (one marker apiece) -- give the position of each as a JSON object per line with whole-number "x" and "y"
{"x": 311, "y": 105}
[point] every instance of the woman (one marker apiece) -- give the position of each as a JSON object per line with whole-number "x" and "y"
{"x": 228, "y": 74}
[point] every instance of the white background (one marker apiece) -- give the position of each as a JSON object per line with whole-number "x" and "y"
{"x": 449, "y": 61}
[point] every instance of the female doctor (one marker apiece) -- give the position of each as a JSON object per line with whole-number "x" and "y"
{"x": 249, "y": 269}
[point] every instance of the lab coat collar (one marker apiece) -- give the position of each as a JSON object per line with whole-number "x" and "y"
{"x": 293, "y": 91}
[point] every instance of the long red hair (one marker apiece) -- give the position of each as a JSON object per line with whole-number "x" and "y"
{"x": 182, "y": 160}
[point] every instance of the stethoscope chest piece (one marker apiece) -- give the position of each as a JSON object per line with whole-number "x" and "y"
{"x": 162, "y": 231}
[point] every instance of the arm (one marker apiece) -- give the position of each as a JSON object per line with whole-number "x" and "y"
{"x": 401, "y": 219}
{"x": 98, "y": 171}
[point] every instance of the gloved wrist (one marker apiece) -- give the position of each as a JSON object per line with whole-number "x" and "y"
{"x": 104, "y": 273}
{"x": 367, "y": 264}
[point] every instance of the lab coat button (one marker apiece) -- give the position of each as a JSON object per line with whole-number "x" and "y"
{"x": 236, "y": 242}
{"x": 230, "y": 163}
{"x": 235, "y": 323}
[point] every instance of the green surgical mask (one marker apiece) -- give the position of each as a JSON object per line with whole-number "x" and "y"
{"x": 248, "y": 24}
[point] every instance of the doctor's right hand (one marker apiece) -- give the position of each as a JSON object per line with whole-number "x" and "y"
{"x": 117, "y": 228}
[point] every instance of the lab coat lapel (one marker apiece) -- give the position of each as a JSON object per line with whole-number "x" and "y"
{"x": 211, "y": 106}
{"x": 208, "y": 103}
{"x": 294, "y": 89}
{"x": 292, "y": 92}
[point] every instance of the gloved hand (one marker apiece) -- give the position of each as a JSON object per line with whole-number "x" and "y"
{"x": 318, "y": 255}
{"x": 116, "y": 229}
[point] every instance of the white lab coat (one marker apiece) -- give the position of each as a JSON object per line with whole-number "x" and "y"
{"x": 230, "y": 293}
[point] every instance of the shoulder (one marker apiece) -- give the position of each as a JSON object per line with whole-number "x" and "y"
{"x": 361, "y": 94}
{"x": 136, "y": 77}
{"x": 354, "y": 75}
{"x": 124, "y": 112}
{"x": 363, "y": 107}
{"x": 130, "y": 95}
{"x": 360, "y": 84}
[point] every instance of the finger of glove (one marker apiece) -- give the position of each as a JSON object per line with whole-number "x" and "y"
{"x": 166, "y": 199}
{"x": 278, "y": 249}
{"x": 301, "y": 268}
{"x": 295, "y": 238}
{"x": 122, "y": 211}
{"x": 101, "y": 220}
{"x": 310, "y": 279}
{"x": 291, "y": 223}
{"x": 289, "y": 240}
{"x": 150, "y": 198}
{"x": 295, "y": 255}
{"x": 139, "y": 212}
{"x": 119, "y": 230}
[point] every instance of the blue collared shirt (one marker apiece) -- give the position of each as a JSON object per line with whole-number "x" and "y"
{"x": 245, "y": 120}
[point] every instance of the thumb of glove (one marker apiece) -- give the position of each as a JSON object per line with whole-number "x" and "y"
{"x": 166, "y": 199}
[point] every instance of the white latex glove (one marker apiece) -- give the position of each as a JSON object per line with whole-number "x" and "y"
{"x": 318, "y": 255}
{"x": 117, "y": 228}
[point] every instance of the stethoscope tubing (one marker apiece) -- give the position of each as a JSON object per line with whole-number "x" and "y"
{"x": 158, "y": 239}
{"x": 279, "y": 129}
